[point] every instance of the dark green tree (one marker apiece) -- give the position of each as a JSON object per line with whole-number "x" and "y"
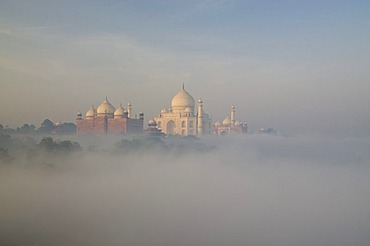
{"x": 66, "y": 128}
{"x": 46, "y": 126}
{"x": 47, "y": 144}
{"x": 26, "y": 129}
{"x": 66, "y": 146}
{"x": 5, "y": 141}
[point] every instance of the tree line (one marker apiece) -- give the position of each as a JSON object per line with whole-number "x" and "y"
{"x": 47, "y": 127}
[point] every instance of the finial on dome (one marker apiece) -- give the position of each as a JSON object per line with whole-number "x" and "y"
{"x": 183, "y": 86}
{"x": 106, "y": 98}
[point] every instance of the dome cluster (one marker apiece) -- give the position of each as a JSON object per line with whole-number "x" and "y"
{"x": 179, "y": 119}
{"x": 107, "y": 109}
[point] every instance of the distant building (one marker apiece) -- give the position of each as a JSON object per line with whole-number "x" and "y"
{"x": 107, "y": 120}
{"x": 152, "y": 129}
{"x": 230, "y": 125}
{"x": 181, "y": 119}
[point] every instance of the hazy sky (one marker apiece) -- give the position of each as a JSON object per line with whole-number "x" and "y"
{"x": 297, "y": 66}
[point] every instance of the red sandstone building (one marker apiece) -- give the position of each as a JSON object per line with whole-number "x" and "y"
{"x": 106, "y": 120}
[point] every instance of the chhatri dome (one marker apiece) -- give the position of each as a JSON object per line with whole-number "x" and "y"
{"x": 152, "y": 121}
{"x": 226, "y": 121}
{"x": 105, "y": 108}
{"x": 163, "y": 110}
{"x": 182, "y": 100}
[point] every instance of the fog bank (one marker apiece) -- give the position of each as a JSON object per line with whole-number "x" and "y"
{"x": 254, "y": 190}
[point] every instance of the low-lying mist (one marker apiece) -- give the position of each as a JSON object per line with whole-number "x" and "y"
{"x": 240, "y": 190}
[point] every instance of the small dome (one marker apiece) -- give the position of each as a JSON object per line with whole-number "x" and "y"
{"x": 182, "y": 100}
{"x": 105, "y": 107}
{"x": 163, "y": 110}
{"x": 91, "y": 113}
{"x": 218, "y": 123}
{"x": 226, "y": 121}
{"x": 188, "y": 110}
{"x": 152, "y": 122}
{"x": 119, "y": 111}
{"x": 237, "y": 123}
{"x": 200, "y": 100}
{"x": 79, "y": 114}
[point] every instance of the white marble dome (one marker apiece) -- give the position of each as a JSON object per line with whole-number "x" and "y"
{"x": 105, "y": 108}
{"x": 182, "y": 100}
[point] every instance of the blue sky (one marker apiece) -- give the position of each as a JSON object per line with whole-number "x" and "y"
{"x": 298, "y": 66}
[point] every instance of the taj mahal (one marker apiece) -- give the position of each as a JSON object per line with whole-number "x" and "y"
{"x": 179, "y": 119}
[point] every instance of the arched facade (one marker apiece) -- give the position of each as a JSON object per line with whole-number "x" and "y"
{"x": 171, "y": 127}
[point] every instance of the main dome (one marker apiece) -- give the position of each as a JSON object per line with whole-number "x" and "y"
{"x": 182, "y": 100}
{"x": 105, "y": 108}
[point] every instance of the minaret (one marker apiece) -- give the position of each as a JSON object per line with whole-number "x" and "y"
{"x": 200, "y": 117}
{"x": 232, "y": 116}
{"x": 129, "y": 110}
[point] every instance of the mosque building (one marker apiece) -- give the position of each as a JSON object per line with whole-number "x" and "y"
{"x": 230, "y": 125}
{"x": 107, "y": 120}
{"x": 181, "y": 118}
